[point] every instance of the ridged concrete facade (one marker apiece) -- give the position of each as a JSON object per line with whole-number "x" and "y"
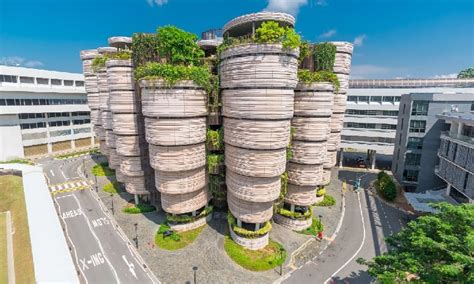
{"x": 257, "y": 82}
{"x": 342, "y": 68}
{"x": 175, "y": 130}
{"x": 311, "y": 125}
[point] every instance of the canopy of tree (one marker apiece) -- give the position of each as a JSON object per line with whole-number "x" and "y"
{"x": 468, "y": 73}
{"x": 436, "y": 248}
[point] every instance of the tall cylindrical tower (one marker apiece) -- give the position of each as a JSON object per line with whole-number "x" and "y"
{"x": 310, "y": 125}
{"x": 342, "y": 68}
{"x": 257, "y": 83}
{"x": 175, "y": 126}
{"x": 91, "y": 86}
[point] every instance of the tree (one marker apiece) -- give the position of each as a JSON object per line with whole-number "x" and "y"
{"x": 437, "y": 248}
{"x": 468, "y": 73}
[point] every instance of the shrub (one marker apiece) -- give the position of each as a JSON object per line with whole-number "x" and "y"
{"x": 327, "y": 201}
{"x": 386, "y": 186}
{"x": 316, "y": 227}
{"x": 215, "y": 182}
{"x": 324, "y": 56}
{"x": 112, "y": 187}
{"x": 296, "y": 215}
{"x": 308, "y": 77}
{"x": 144, "y": 48}
{"x": 215, "y": 138}
{"x": 305, "y": 50}
{"x": 139, "y": 208}
{"x": 247, "y": 233}
{"x": 321, "y": 192}
{"x": 272, "y": 32}
{"x": 102, "y": 169}
{"x": 185, "y": 218}
{"x": 213, "y": 161}
{"x": 99, "y": 63}
{"x": 121, "y": 55}
{"x": 177, "y": 46}
{"x": 255, "y": 260}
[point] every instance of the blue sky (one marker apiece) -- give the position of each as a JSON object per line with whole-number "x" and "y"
{"x": 394, "y": 38}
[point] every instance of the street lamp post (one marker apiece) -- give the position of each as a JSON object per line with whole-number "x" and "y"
{"x": 281, "y": 261}
{"x": 96, "y": 187}
{"x": 112, "y": 198}
{"x": 194, "y": 272}
{"x": 136, "y": 235}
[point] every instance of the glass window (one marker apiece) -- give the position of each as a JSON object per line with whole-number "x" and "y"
{"x": 412, "y": 159}
{"x": 398, "y": 98}
{"x": 389, "y": 99}
{"x": 371, "y": 112}
{"x": 68, "y": 83}
{"x": 417, "y": 126}
{"x": 410, "y": 175}
{"x": 10, "y": 102}
{"x": 79, "y": 83}
{"x": 27, "y": 80}
{"x": 415, "y": 143}
{"x": 363, "y": 99}
{"x": 8, "y": 78}
{"x": 472, "y": 107}
{"x": 420, "y": 108}
{"x": 389, "y": 126}
{"x": 352, "y": 99}
{"x": 377, "y": 99}
{"x": 3, "y": 102}
{"x": 28, "y": 102}
{"x": 56, "y": 82}
{"x": 390, "y": 113}
{"x": 42, "y": 81}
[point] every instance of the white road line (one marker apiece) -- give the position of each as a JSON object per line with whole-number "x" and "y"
{"x": 360, "y": 247}
{"x": 67, "y": 234}
{"x": 52, "y": 173}
{"x": 97, "y": 239}
{"x": 63, "y": 174}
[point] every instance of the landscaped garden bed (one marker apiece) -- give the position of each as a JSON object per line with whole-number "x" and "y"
{"x": 112, "y": 187}
{"x": 170, "y": 240}
{"x": 138, "y": 208}
{"x": 102, "y": 169}
{"x": 315, "y": 228}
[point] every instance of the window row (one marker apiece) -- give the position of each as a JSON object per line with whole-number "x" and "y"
{"x": 81, "y": 113}
{"x": 417, "y": 126}
{"x": 371, "y": 112}
{"x": 370, "y": 125}
{"x": 40, "y": 81}
{"x": 376, "y": 99}
{"x": 410, "y": 175}
{"x": 81, "y": 121}
{"x": 59, "y": 123}
{"x": 420, "y": 108}
{"x": 33, "y": 125}
{"x": 412, "y": 159}
{"x": 29, "y": 102}
{"x": 30, "y": 115}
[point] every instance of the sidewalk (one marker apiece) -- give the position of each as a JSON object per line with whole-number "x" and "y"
{"x": 51, "y": 257}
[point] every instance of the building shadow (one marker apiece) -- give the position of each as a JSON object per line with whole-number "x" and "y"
{"x": 356, "y": 277}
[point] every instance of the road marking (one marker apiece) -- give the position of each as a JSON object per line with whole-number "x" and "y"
{"x": 70, "y": 240}
{"x": 130, "y": 265}
{"x": 360, "y": 247}
{"x": 100, "y": 222}
{"x": 71, "y": 214}
{"x": 52, "y": 173}
{"x": 98, "y": 241}
{"x": 95, "y": 259}
{"x": 63, "y": 174}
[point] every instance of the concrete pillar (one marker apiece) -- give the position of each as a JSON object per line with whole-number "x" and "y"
{"x": 253, "y": 28}
{"x": 341, "y": 157}
{"x": 374, "y": 157}
{"x": 136, "y": 199}
{"x": 292, "y": 207}
{"x": 257, "y": 226}
{"x": 448, "y": 189}
{"x": 194, "y": 213}
{"x": 239, "y": 223}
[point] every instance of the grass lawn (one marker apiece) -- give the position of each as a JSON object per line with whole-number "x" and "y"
{"x": 314, "y": 229}
{"x": 102, "y": 170}
{"x": 185, "y": 238}
{"x": 3, "y": 249}
{"x": 112, "y": 187}
{"x": 139, "y": 208}
{"x": 327, "y": 201}
{"x": 12, "y": 198}
{"x": 255, "y": 260}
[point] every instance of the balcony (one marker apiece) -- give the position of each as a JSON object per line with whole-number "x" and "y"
{"x": 461, "y": 138}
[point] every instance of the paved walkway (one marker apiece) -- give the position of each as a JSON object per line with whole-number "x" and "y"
{"x": 10, "y": 258}
{"x": 51, "y": 257}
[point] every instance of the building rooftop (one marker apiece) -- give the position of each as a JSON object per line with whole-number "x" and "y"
{"x": 464, "y": 117}
{"x": 242, "y": 25}
{"x": 409, "y": 83}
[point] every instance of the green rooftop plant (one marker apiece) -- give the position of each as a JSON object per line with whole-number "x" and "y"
{"x": 305, "y": 50}
{"x": 99, "y": 62}
{"x": 267, "y": 227}
{"x": 296, "y": 215}
{"x": 178, "y": 46}
{"x": 188, "y": 218}
{"x": 215, "y": 138}
{"x": 324, "y": 56}
{"x": 308, "y": 77}
{"x": 144, "y": 48}
{"x": 272, "y": 32}
{"x": 121, "y": 55}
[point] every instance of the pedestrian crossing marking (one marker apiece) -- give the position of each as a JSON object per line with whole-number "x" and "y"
{"x": 70, "y": 186}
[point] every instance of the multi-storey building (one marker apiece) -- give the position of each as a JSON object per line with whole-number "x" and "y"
{"x": 417, "y": 136}
{"x": 42, "y": 112}
{"x": 370, "y": 121}
{"x": 456, "y": 156}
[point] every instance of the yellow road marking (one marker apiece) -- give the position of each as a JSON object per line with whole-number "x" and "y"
{"x": 70, "y": 189}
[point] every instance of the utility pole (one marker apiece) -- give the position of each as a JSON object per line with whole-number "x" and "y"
{"x": 112, "y": 198}
{"x": 96, "y": 186}
{"x": 194, "y": 272}
{"x": 136, "y": 235}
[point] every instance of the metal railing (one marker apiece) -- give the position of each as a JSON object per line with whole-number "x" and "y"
{"x": 410, "y": 83}
{"x": 462, "y": 138}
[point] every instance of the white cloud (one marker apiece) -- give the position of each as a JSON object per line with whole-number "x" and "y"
{"x": 20, "y": 61}
{"x": 359, "y": 40}
{"x": 328, "y": 34}
{"x": 156, "y": 2}
{"x": 368, "y": 71}
{"x": 321, "y": 2}
{"x": 287, "y": 6}
{"x": 446, "y": 76}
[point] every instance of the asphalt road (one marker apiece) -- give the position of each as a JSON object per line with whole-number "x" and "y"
{"x": 103, "y": 254}
{"x": 366, "y": 222}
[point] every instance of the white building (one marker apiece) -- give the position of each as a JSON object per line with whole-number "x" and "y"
{"x": 42, "y": 112}
{"x": 370, "y": 121}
